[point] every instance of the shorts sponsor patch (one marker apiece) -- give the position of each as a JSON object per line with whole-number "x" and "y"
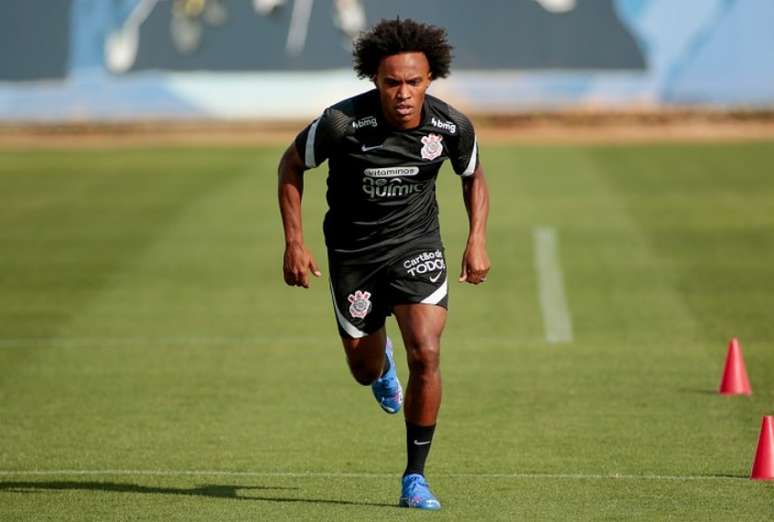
{"x": 425, "y": 263}
{"x": 360, "y": 304}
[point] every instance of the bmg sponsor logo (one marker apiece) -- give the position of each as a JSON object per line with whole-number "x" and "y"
{"x": 368, "y": 121}
{"x": 424, "y": 263}
{"x": 445, "y": 125}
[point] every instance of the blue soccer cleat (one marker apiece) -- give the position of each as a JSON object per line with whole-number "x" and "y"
{"x": 387, "y": 388}
{"x": 416, "y": 493}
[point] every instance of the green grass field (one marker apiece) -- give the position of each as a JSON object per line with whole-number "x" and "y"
{"x": 154, "y": 366}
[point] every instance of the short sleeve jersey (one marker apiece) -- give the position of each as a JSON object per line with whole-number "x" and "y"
{"x": 381, "y": 180}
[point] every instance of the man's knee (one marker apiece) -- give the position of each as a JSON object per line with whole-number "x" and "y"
{"x": 364, "y": 374}
{"x": 365, "y": 357}
{"x": 423, "y": 354}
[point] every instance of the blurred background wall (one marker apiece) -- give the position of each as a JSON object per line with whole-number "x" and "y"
{"x": 81, "y": 60}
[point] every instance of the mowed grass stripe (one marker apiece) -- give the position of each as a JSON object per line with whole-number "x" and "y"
{"x": 344, "y": 475}
{"x": 604, "y": 395}
{"x": 108, "y": 342}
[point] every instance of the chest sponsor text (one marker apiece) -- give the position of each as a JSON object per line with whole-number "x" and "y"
{"x": 393, "y": 188}
{"x": 391, "y": 172}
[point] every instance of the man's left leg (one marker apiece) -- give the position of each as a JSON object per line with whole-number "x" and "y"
{"x": 421, "y": 326}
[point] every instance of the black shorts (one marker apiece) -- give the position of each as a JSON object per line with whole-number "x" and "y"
{"x": 364, "y": 292}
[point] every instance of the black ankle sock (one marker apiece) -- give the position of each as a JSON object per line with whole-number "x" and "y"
{"x": 418, "y": 440}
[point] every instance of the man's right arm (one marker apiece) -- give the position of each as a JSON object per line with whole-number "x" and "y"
{"x": 298, "y": 261}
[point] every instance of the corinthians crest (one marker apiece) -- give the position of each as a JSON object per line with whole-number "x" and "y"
{"x": 431, "y": 147}
{"x": 360, "y": 304}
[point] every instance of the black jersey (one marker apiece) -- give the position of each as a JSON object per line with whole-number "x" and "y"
{"x": 381, "y": 180}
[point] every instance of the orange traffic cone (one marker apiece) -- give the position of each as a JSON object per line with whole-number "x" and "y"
{"x": 763, "y": 465}
{"x": 735, "y": 381}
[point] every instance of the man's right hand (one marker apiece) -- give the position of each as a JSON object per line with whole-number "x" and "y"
{"x": 297, "y": 264}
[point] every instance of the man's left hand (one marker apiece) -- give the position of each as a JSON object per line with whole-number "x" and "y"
{"x": 475, "y": 264}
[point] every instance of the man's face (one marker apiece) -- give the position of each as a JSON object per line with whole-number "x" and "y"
{"x": 402, "y": 80}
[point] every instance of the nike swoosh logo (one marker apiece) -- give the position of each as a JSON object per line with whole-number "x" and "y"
{"x": 434, "y": 279}
{"x": 366, "y": 149}
{"x": 422, "y": 443}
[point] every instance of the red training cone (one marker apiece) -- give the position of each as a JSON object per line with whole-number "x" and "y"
{"x": 763, "y": 465}
{"x": 735, "y": 381}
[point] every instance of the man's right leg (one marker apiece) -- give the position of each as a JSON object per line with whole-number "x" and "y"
{"x": 359, "y": 305}
{"x": 365, "y": 356}
{"x": 371, "y": 362}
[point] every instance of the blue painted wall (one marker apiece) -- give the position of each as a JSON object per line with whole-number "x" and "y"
{"x": 225, "y": 58}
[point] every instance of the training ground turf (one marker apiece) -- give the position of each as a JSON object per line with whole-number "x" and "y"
{"x": 154, "y": 366}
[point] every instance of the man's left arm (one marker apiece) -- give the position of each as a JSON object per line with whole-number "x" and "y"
{"x": 475, "y": 260}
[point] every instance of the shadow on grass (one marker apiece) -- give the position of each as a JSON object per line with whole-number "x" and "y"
{"x": 210, "y": 490}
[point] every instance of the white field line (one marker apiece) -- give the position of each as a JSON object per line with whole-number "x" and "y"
{"x": 323, "y": 474}
{"x": 556, "y": 314}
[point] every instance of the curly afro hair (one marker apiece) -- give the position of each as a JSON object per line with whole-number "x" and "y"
{"x": 390, "y": 37}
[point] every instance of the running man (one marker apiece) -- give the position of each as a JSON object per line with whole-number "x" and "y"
{"x": 384, "y": 149}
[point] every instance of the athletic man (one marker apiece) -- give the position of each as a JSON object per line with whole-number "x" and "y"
{"x": 384, "y": 149}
